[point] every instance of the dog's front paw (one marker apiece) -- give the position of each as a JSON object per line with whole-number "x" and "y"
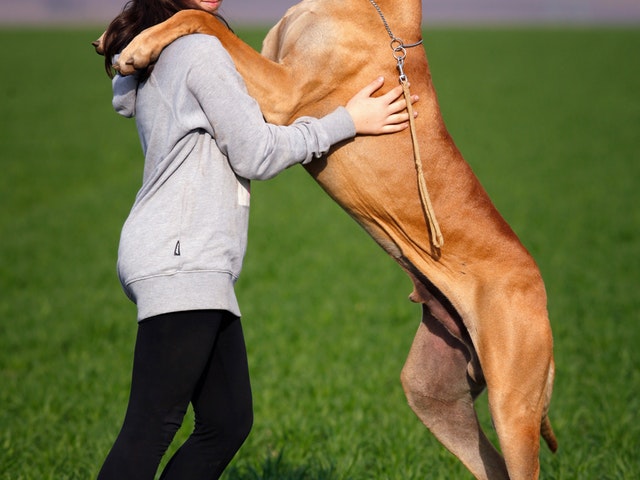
{"x": 140, "y": 53}
{"x": 127, "y": 62}
{"x": 99, "y": 45}
{"x": 133, "y": 57}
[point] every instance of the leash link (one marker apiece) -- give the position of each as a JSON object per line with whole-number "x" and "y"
{"x": 399, "y": 53}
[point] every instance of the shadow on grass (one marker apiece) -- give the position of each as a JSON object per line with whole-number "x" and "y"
{"x": 276, "y": 468}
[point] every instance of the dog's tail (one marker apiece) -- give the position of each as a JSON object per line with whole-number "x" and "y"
{"x": 547, "y": 433}
{"x": 545, "y": 425}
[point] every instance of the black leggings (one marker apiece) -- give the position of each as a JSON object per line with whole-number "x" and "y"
{"x": 196, "y": 357}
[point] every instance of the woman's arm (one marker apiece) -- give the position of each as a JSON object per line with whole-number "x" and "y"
{"x": 259, "y": 150}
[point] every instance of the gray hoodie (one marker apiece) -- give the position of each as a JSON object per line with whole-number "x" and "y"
{"x": 203, "y": 138}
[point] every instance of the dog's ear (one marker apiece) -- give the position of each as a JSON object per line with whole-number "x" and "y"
{"x": 97, "y": 44}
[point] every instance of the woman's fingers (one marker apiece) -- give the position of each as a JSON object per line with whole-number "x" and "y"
{"x": 371, "y": 88}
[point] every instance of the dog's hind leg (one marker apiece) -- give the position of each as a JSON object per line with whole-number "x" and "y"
{"x": 517, "y": 420}
{"x": 440, "y": 391}
{"x": 518, "y": 390}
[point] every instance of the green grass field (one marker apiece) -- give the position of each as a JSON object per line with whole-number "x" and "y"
{"x": 549, "y": 119}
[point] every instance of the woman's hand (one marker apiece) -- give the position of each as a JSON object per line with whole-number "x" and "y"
{"x": 378, "y": 115}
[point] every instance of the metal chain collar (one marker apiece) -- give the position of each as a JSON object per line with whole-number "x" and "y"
{"x": 397, "y": 45}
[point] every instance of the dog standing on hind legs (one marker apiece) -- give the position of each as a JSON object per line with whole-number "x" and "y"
{"x": 484, "y": 316}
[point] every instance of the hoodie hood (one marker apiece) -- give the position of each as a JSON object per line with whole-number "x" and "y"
{"x": 125, "y": 91}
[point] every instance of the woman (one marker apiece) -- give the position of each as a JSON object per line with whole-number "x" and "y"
{"x": 182, "y": 246}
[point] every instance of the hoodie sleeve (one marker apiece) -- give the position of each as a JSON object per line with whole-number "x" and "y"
{"x": 255, "y": 149}
{"x": 125, "y": 90}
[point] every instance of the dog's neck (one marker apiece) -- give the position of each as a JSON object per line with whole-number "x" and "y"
{"x": 405, "y": 16}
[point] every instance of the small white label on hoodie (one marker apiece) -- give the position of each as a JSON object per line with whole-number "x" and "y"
{"x": 244, "y": 192}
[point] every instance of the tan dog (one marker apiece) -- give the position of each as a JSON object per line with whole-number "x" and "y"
{"x": 484, "y": 316}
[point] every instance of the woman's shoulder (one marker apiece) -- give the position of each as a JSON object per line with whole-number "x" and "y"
{"x": 196, "y": 51}
{"x": 196, "y": 44}
{"x": 195, "y": 57}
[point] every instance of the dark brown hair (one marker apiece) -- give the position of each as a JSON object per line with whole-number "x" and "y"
{"x": 136, "y": 16}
